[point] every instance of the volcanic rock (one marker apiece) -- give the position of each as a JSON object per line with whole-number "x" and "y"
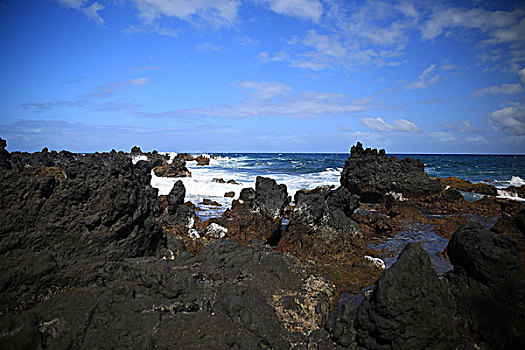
{"x": 489, "y": 286}
{"x": 371, "y": 174}
{"x": 177, "y": 168}
{"x": 177, "y": 215}
{"x": 410, "y": 307}
{"x": 230, "y": 194}
{"x": 202, "y": 160}
{"x": 228, "y": 296}
{"x": 467, "y": 186}
{"x": 4, "y": 155}
{"x": 55, "y": 234}
{"x": 257, "y": 213}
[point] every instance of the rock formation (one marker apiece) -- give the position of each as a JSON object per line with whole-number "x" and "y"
{"x": 371, "y": 174}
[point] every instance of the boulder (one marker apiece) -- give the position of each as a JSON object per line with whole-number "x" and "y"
{"x": 257, "y": 213}
{"x": 202, "y": 160}
{"x": 467, "y": 186}
{"x": 410, "y": 308}
{"x": 489, "y": 286}
{"x": 177, "y": 215}
{"x": 177, "y": 168}
{"x": 371, "y": 174}
{"x": 320, "y": 225}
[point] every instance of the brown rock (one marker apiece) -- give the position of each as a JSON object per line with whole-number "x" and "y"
{"x": 169, "y": 170}
{"x": 207, "y": 201}
{"x": 201, "y": 160}
{"x": 467, "y": 186}
{"x": 220, "y": 180}
{"x": 233, "y": 182}
{"x": 230, "y": 194}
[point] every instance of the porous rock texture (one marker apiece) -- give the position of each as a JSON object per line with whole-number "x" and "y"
{"x": 58, "y": 227}
{"x": 371, "y": 174}
{"x": 257, "y": 213}
{"x": 410, "y": 308}
{"x": 488, "y": 283}
{"x": 177, "y": 215}
{"x": 320, "y": 226}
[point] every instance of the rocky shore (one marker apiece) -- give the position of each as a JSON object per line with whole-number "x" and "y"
{"x": 92, "y": 257}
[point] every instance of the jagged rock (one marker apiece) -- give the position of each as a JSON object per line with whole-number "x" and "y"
{"x": 410, "y": 307}
{"x": 371, "y": 174}
{"x": 321, "y": 225}
{"x": 489, "y": 286}
{"x": 135, "y": 149}
{"x": 178, "y": 216}
{"x": 4, "y": 155}
{"x": 54, "y": 233}
{"x": 271, "y": 197}
{"x": 257, "y": 213}
{"x": 177, "y": 168}
{"x": 202, "y": 160}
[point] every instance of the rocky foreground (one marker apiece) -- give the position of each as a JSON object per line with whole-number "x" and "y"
{"x": 92, "y": 257}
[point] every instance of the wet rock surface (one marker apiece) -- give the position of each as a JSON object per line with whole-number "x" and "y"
{"x": 177, "y": 168}
{"x": 371, "y": 174}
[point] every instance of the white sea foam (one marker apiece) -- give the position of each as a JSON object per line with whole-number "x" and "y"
{"x": 376, "y": 262}
{"x": 510, "y": 195}
{"x": 138, "y": 157}
{"x": 517, "y": 181}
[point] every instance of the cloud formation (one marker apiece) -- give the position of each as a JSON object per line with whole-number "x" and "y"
{"x": 504, "y": 89}
{"x": 425, "y": 79}
{"x": 263, "y": 102}
{"x": 91, "y": 11}
{"x": 510, "y": 119}
{"x": 302, "y": 9}
{"x": 378, "y": 124}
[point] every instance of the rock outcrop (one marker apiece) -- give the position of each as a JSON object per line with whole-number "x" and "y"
{"x": 177, "y": 168}
{"x": 4, "y": 155}
{"x": 257, "y": 213}
{"x": 320, "y": 225}
{"x": 410, "y": 308}
{"x": 371, "y": 174}
{"x": 177, "y": 215}
{"x": 56, "y": 231}
{"x": 489, "y": 286}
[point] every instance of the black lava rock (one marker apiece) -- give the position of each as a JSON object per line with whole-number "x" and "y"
{"x": 371, "y": 174}
{"x": 489, "y": 286}
{"x": 270, "y": 196}
{"x": 410, "y": 308}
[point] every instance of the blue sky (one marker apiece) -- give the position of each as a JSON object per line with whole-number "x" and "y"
{"x": 263, "y": 75}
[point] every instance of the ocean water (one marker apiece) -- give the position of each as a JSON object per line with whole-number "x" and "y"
{"x": 307, "y": 170}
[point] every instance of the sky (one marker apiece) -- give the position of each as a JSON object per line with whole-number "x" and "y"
{"x": 263, "y": 75}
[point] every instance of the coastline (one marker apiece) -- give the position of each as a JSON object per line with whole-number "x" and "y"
{"x": 292, "y": 268}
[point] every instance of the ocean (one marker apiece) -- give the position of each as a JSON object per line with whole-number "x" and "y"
{"x": 309, "y": 170}
{"x": 298, "y": 171}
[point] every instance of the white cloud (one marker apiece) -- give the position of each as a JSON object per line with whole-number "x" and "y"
{"x": 510, "y": 119}
{"x": 504, "y": 89}
{"x": 214, "y": 12}
{"x": 522, "y": 75}
{"x": 265, "y": 89}
{"x": 501, "y": 26}
{"x": 425, "y": 79}
{"x": 303, "y": 9}
{"x": 477, "y": 139}
{"x": 379, "y": 124}
{"x": 155, "y": 28}
{"x": 463, "y": 126}
{"x": 111, "y": 87}
{"x": 91, "y": 11}
{"x": 208, "y": 46}
{"x": 262, "y": 104}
